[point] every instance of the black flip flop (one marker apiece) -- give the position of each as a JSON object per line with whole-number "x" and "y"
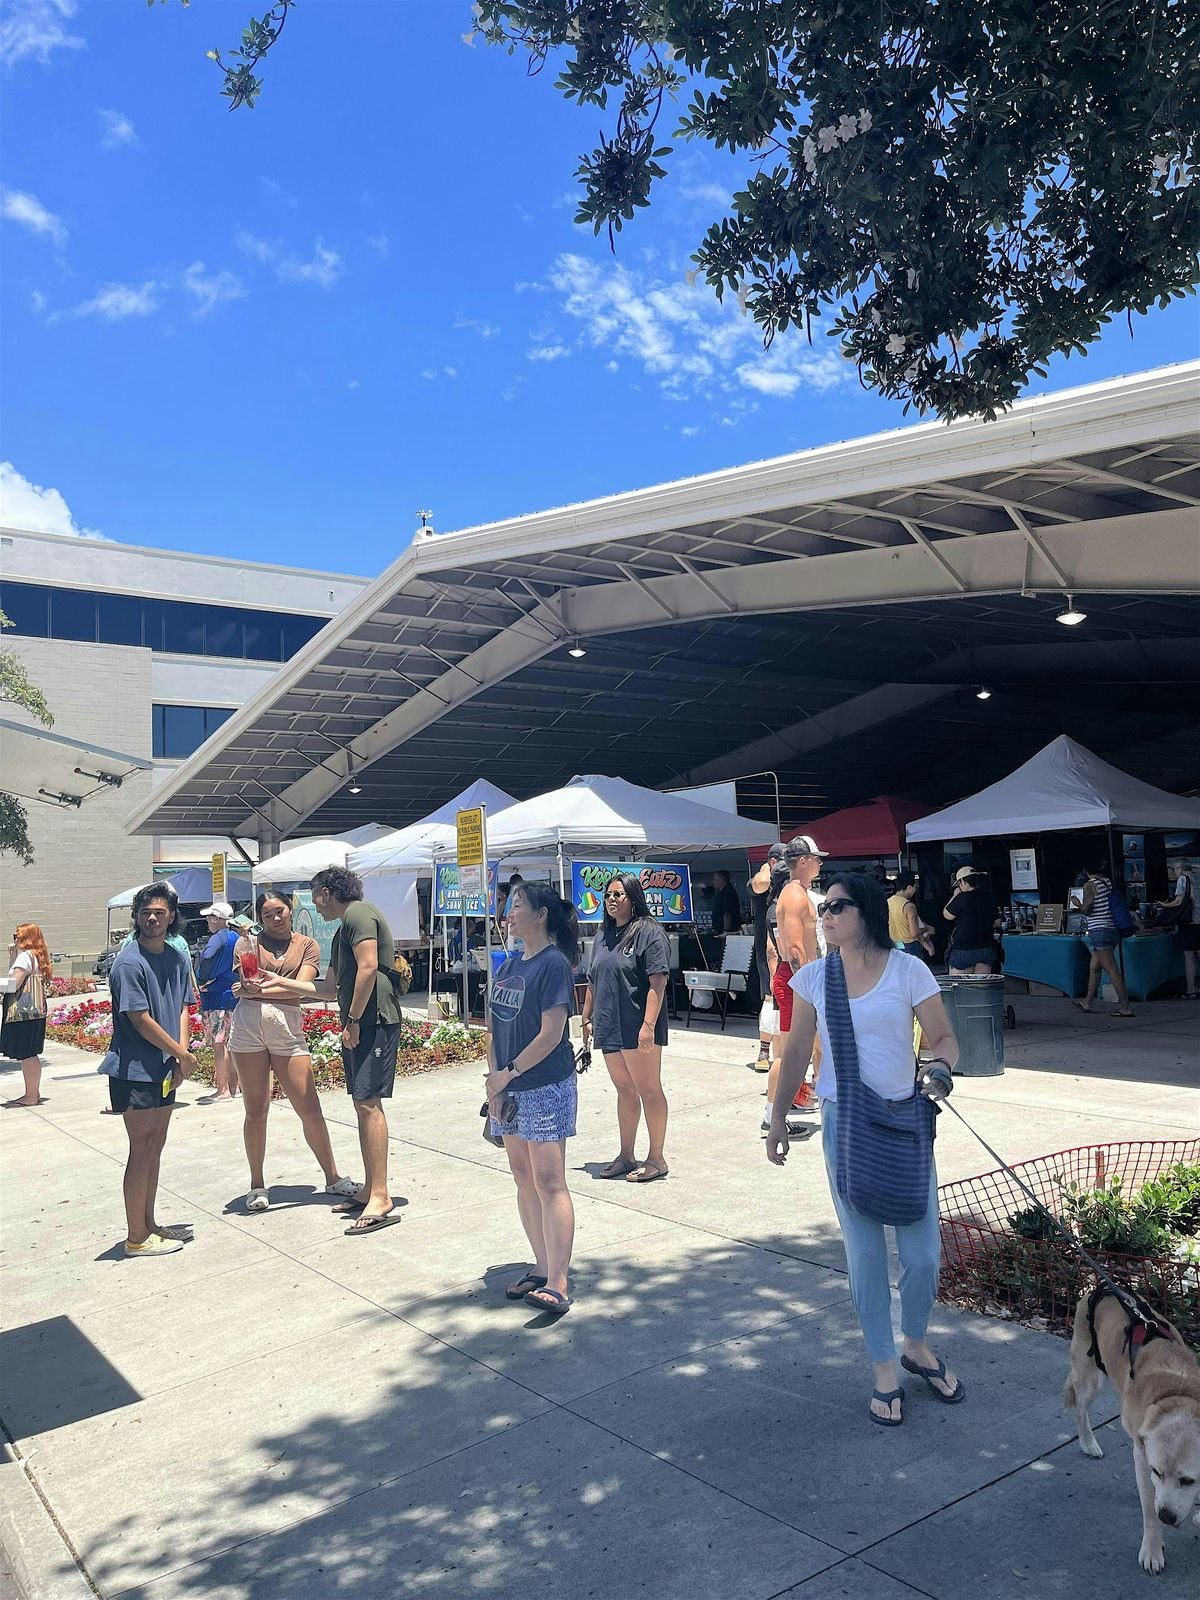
{"x": 530, "y": 1280}
{"x": 562, "y": 1303}
{"x": 886, "y": 1399}
{"x": 929, "y": 1373}
{"x": 371, "y": 1225}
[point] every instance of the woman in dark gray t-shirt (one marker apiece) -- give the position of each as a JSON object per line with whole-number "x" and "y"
{"x": 531, "y": 1084}
{"x": 627, "y": 980}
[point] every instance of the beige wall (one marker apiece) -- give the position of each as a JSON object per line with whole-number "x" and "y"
{"x": 101, "y": 694}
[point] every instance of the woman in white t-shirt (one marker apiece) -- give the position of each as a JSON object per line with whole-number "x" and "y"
{"x": 887, "y": 989}
{"x": 23, "y": 1036}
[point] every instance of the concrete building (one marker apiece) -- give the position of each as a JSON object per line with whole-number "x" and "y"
{"x": 145, "y": 652}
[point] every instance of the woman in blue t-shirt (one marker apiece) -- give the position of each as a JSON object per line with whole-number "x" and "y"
{"x": 531, "y": 1084}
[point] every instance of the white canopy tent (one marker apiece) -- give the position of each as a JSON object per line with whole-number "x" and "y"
{"x": 1063, "y": 786}
{"x": 299, "y": 860}
{"x": 432, "y": 838}
{"x": 598, "y": 813}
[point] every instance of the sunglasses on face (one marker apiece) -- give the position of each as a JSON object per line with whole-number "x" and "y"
{"x": 615, "y": 894}
{"x": 833, "y": 908}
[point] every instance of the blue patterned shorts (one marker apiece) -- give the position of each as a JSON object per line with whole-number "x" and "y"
{"x": 543, "y": 1115}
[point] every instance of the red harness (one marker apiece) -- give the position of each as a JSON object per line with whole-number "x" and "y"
{"x": 1142, "y": 1323}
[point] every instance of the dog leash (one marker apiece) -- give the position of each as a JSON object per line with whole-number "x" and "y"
{"x": 1125, "y": 1296}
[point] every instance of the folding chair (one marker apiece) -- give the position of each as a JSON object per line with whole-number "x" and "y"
{"x": 732, "y": 978}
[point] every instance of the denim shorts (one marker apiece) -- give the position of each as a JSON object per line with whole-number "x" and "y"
{"x": 984, "y": 955}
{"x": 1103, "y": 938}
{"x": 543, "y": 1115}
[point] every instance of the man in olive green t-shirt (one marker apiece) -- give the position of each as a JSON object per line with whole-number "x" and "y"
{"x": 360, "y": 976}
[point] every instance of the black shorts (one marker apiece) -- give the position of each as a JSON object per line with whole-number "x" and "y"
{"x": 126, "y": 1095}
{"x": 371, "y": 1066}
{"x": 1189, "y": 936}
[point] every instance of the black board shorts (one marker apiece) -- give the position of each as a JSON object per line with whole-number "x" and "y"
{"x": 126, "y": 1095}
{"x": 371, "y": 1066}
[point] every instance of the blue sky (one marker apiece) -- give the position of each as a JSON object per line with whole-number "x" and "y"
{"x": 280, "y": 332}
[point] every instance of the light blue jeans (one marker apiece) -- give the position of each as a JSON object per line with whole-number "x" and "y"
{"x": 918, "y": 1245}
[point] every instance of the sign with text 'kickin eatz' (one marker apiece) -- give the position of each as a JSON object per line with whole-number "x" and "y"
{"x": 668, "y": 888}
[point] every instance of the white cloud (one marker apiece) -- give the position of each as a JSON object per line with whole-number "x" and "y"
{"x": 433, "y": 373}
{"x": 689, "y": 433}
{"x": 548, "y": 352}
{"x": 116, "y": 302}
{"x": 116, "y": 130}
{"x": 274, "y": 191}
{"x": 211, "y": 289}
{"x": 706, "y": 193}
{"x": 685, "y": 338}
{"x": 29, "y": 212}
{"x": 380, "y": 244}
{"x": 28, "y": 506}
{"x": 261, "y": 249}
{"x": 37, "y": 28}
{"x": 323, "y": 268}
{"x": 485, "y": 330}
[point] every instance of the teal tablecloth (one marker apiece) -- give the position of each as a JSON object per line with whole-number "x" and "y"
{"x": 1061, "y": 961}
{"x": 1057, "y": 959}
{"x": 1150, "y": 962}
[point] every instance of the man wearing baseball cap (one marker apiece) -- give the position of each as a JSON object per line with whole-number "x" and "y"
{"x": 764, "y": 887}
{"x": 217, "y": 1000}
{"x": 796, "y": 942}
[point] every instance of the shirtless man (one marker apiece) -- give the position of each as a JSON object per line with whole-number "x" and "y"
{"x": 796, "y": 935}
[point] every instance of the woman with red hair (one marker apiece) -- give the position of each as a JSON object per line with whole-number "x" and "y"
{"x": 23, "y": 1035}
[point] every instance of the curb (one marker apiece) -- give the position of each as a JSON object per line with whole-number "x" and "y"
{"x": 41, "y": 1562}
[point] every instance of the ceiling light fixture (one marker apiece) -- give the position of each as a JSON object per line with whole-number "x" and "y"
{"x": 983, "y": 693}
{"x": 1071, "y": 618}
{"x": 576, "y": 649}
{"x": 355, "y": 788}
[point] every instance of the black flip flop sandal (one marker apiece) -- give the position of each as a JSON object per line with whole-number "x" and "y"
{"x": 886, "y": 1399}
{"x": 525, "y": 1284}
{"x": 366, "y": 1225}
{"x": 557, "y": 1306}
{"x": 929, "y": 1373}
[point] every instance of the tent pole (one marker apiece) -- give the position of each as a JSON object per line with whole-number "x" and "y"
{"x": 562, "y": 877}
{"x": 1112, "y": 868}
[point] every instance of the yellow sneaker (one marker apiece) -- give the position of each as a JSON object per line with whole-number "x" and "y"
{"x": 153, "y": 1245}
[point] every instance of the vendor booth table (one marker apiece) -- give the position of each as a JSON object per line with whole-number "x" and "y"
{"x": 1150, "y": 961}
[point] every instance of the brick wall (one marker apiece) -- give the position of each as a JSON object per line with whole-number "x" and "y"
{"x": 101, "y": 694}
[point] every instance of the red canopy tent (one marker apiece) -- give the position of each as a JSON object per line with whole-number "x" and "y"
{"x": 874, "y": 829}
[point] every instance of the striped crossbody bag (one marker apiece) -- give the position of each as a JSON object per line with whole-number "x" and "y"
{"x": 884, "y": 1147}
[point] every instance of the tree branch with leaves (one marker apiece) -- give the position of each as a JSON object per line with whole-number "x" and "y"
{"x": 17, "y": 688}
{"x": 957, "y": 190}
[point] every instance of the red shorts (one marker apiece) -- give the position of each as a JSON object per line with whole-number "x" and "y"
{"x": 784, "y": 995}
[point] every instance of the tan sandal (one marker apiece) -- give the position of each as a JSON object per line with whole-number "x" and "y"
{"x": 647, "y": 1172}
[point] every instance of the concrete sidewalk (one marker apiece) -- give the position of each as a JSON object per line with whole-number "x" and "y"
{"x": 281, "y": 1413}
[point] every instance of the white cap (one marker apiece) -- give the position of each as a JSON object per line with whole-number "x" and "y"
{"x": 219, "y": 908}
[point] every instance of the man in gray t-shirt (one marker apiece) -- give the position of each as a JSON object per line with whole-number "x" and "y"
{"x": 151, "y": 987}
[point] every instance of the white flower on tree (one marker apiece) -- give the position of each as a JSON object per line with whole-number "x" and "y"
{"x": 897, "y": 344}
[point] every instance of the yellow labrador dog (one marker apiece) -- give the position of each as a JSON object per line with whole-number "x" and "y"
{"x": 1160, "y": 1410}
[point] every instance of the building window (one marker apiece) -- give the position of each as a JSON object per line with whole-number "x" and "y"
{"x": 27, "y": 607}
{"x": 120, "y": 619}
{"x": 179, "y": 627}
{"x": 179, "y": 731}
{"x": 73, "y": 615}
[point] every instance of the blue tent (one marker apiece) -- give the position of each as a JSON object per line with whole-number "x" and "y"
{"x": 194, "y": 887}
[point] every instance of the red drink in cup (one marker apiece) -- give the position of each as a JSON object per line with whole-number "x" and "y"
{"x": 248, "y": 960}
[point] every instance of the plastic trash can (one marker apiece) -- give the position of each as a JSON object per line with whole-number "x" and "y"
{"x": 975, "y": 1007}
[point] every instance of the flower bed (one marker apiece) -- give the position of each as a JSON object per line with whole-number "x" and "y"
{"x": 60, "y": 987}
{"x": 1135, "y": 1208}
{"x": 424, "y": 1046}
